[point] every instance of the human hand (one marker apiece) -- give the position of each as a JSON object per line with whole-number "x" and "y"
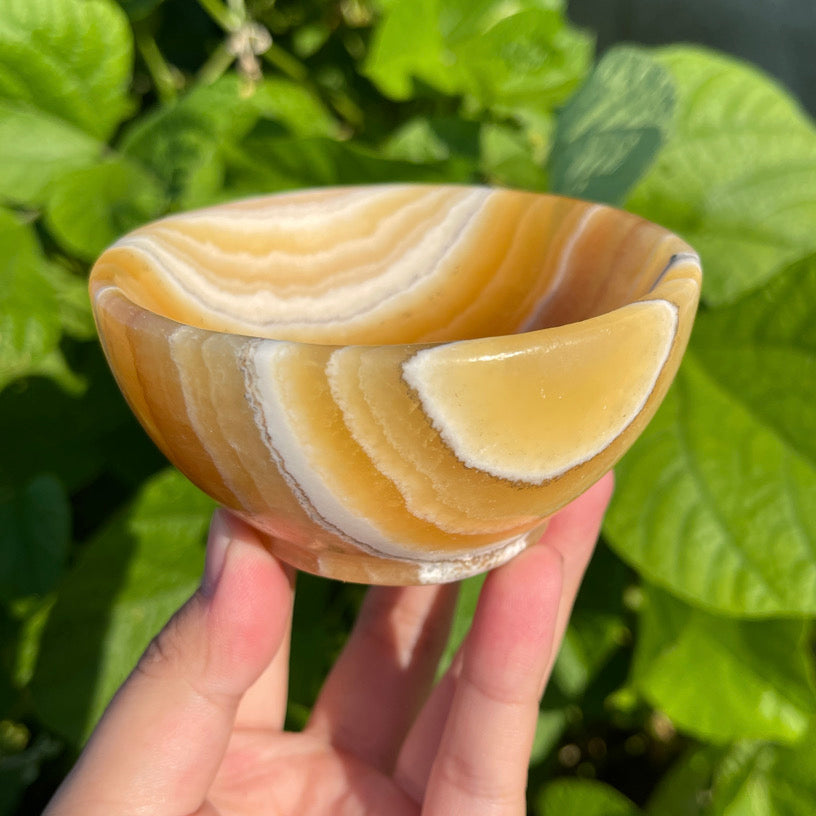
{"x": 196, "y": 730}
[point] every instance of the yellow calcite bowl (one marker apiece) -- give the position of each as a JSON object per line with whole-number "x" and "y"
{"x": 396, "y": 384}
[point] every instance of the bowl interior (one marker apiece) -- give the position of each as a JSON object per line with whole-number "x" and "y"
{"x": 389, "y": 264}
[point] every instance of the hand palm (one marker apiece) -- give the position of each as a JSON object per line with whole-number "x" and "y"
{"x": 278, "y": 774}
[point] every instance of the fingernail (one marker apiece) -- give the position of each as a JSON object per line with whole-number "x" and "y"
{"x": 221, "y": 534}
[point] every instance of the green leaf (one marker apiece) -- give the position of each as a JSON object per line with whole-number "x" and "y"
{"x": 722, "y": 679}
{"x": 184, "y": 143}
{"x": 758, "y": 779}
{"x": 180, "y": 142}
{"x": 717, "y": 499}
{"x": 69, "y": 59}
{"x": 77, "y": 437}
{"x": 36, "y": 149}
{"x": 264, "y": 163}
{"x": 324, "y": 613}
{"x": 509, "y": 58}
{"x": 591, "y": 638}
{"x": 530, "y": 59}
{"x": 611, "y": 129}
{"x": 763, "y": 349}
{"x": 685, "y": 788}
{"x": 298, "y": 110}
{"x": 550, "y": 726}
{"x": 512, "y": 158}
{"x": 74, "y": 304}
{"x": 35, "y": 531}
{"x": 434, "y": 139}
{"x": 90, "y": 208}
{"x": 582, "y": 796}
{"x": 32, "y": 613}
{"x": 125, "y": 585}
{"x": 29, "y": 320}
{"x": 466, "y": 602}
{"x": 447, "y": 142}
{"x": 737, "y": 177}
{"x": 408, "y": 44}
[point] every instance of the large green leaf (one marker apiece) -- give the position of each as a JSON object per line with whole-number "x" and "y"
{"x": 761, "y": 779}
{"x": 722, "y": 679}
{"x": 582, "y": 796}
{"x": 717, "y": 500}
{"x": 36, "y": 148}
{"x": 611, "y": 129}
{"x": 763, "y": 350}
{"x": 507, "y": 57}
{"x": 90, "y": 208}
{"x": 35, "y": 530}
{"x": 69, "y": 59}
{"x": 29, "y": 318}
{"x": 738, "y": 176}
{"x": 126, "y": 584}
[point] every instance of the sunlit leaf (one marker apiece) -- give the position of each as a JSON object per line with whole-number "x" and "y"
{"x": 717, "y": 499}
{"x": 723, "y": 679}
{"x": 505, "y": 57}
{"x": 737, "y": 178}
{"x": 36, "y": 149}
{"x": 69, "y": 59}
{"x": 762, "y": 778}
{"x": 582, "y": 796}
{"x": 90, "y": 208}
{"x": 29, "y": 318}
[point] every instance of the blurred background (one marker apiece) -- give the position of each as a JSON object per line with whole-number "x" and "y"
{"x": 685, "y": 686}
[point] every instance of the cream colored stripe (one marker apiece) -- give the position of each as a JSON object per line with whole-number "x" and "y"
{"x": 346, "y": 304}
{"x": 318, "y": 498}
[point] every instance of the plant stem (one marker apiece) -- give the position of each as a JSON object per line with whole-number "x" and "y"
{"x": 162, "y": 74}
{"x": 286, "y": 63}
{"x": 216, "y": 65}
{"x": 225, "y": 17}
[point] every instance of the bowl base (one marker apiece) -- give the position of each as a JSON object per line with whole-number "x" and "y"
{"x": 362, "y": 568}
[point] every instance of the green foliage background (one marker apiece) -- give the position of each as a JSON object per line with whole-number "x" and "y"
{"x": 685, "y": 686}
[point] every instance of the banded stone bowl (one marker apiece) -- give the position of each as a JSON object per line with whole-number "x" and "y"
{"x": 399, "y": 383}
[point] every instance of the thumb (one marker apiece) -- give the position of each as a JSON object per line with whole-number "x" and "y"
{"x": 161, "y": 741}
